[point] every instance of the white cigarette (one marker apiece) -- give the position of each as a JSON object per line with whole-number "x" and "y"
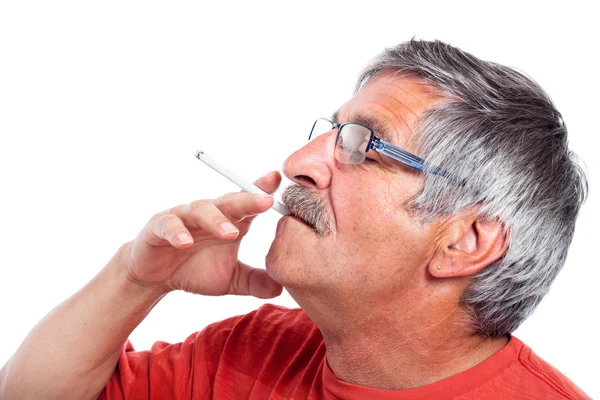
{"x": 238, "y": 180}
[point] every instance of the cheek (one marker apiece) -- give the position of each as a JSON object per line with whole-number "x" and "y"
{"x": 363, "y": 229}
{"x": 374, "y": 228}
{"x": 368, "y": 207}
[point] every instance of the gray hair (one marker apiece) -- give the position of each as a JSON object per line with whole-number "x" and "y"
{"x": 500, "y": 131}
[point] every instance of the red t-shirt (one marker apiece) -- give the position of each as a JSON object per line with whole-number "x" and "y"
{"x": 279, "y": 353}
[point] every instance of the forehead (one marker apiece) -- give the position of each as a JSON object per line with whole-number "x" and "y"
{"x": 392, "y": 104}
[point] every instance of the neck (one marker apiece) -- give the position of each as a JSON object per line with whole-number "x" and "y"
{"x": 388, "y": 346}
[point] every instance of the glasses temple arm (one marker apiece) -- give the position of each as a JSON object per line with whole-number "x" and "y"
{"x": 411, "y": 160}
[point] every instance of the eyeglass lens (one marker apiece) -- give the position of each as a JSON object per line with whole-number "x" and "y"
{"x": 320, "y": 127}
{"x": 351, "y": 145}
{"x": 352, "y": 140}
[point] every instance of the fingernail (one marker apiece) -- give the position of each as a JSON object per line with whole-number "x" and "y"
{"x": 184, "y": 238}
{"x": 228, "y": 228}
{"x": 264, "y": 196}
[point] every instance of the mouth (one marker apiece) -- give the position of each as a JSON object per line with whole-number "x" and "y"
{"x": 295, "y": 216}
{"x": 298, "y": 217}
{"x": 308, "y": 208}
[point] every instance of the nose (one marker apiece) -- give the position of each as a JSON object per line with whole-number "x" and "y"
{"x": 312, "y": 164}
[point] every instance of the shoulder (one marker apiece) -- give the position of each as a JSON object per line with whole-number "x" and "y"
{"x": 542, "y": 376}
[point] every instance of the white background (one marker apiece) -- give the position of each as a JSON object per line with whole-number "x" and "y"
{"x": 102, "y": 106}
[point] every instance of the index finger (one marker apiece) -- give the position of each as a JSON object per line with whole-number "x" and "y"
{"x": 269, "y": 184}
{"x": 229, "y": 208}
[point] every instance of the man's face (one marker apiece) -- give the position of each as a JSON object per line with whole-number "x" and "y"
{"x": 377, "y": 246}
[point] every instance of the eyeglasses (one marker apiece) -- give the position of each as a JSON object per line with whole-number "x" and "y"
{"x": 354, "y": 140}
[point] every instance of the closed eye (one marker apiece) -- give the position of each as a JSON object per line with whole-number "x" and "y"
{"x": 373, "y": 157}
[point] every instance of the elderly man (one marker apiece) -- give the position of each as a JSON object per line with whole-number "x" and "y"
{"x": 411, "y": 271}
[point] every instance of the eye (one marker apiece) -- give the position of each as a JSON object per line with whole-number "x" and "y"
{"x": 373, "y": 157}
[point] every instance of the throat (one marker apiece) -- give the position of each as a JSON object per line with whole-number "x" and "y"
{"x": 405, "y": 364}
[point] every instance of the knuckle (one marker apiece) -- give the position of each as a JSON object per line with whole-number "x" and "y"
{"x": 174, "y": 210}
{"x": 226, "y": 200}
{"x": 230, "y": 202}
{"x": 226, "y": 203}
{"x": 158, "y": 216}
{"x": 165, "y": 222}
{"x": 164, "y": 217}
{"x": 229, "y": 196}
{"x": 199, "y": 204}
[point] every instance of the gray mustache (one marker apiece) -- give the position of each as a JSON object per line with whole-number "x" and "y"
{"x": 309, "y": 207}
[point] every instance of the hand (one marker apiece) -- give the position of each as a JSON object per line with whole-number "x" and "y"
{"x": 194, "y": 247}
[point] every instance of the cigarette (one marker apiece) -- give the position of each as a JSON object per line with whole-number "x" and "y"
{"x": 238, "y": 180}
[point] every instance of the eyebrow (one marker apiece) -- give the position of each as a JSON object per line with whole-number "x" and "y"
{"x": 381, "y": 129}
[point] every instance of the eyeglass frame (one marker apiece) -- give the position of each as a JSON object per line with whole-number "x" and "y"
{"x": 389, "y": 150}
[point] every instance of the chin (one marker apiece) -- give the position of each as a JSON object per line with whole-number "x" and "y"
{"x": 295, "y": 253}
{"x": 288, "y": 265}
{"x": 276, "y": 260}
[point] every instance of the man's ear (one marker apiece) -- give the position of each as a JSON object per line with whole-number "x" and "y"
{"x": 467, "y": 243}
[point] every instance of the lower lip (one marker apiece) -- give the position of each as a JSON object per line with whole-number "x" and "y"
{"x": 290, "y": 218}
{"x": 293, "y": 217}
{"x": 297, "y": 219}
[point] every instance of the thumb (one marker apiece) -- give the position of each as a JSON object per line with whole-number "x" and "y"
{"x": 255, "y": 282}
{"x": 269, "y": 182}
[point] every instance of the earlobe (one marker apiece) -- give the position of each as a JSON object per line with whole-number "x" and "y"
{"x": 468, "y": 244}
{"x": 444, "y": 271}
{"x": 438, "y": 271}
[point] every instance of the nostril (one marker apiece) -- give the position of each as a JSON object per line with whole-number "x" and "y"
{"x": 307, "y": 180}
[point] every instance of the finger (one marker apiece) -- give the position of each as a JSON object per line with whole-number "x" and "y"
{"x": 206, "y": 215}
{"x": 253, "y": 282}
{"x": 238, "y": 206}
{"x": 169, "y": 227}
{"x": 218, "y": 216}
{"x": 269, "y": 182}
